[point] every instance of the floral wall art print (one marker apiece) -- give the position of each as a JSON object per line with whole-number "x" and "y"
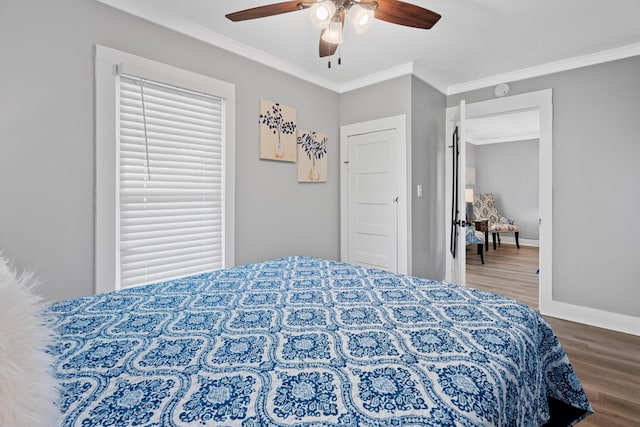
{"x": 312, "y": 156}
{"x": 277, "y": 131}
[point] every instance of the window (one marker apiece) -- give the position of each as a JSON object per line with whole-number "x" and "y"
{"x": 164, "y": 171}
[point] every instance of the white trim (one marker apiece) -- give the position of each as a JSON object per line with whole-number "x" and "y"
{"x": 409, "y": 68}
{"x": 594, "y": 317}
{"x": 105, "y": 214}
{"x": 427, "y": 77}
{"x": 455, "y": 268}
{"x": 150, "y": 13}
{"x": 450, "y": 118}
{"x": 550, "y": 68}
{"x": 548, "y": 306}
{"x": 503, "y": 139}
{"x": 512, "y": 240}
{"x": 172, "y": 22}
{"x": 391, "y": 73}
{"x": 541, "y": 100}
{"x": 462, "y": 177}
{"x": 404, "y": 206}
{"x": 106, "y": 89}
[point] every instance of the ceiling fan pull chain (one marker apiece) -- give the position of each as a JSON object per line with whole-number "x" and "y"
{"x": 339, "y": 62}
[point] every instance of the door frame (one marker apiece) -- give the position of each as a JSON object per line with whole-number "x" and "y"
{"x": 399, "y": 123}
{"x": 455, "y": 268}
{"x": 543, "y": 101}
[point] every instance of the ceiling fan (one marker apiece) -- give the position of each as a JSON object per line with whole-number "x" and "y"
{"x": 329, "y": 16}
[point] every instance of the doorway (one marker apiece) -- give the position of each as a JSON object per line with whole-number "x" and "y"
{"x": 542, "y": 101}
{"x": 502, "y": 159}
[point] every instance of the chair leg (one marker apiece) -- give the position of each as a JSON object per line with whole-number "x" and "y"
{"x": 481, "y": 252}
{"x": 517, "y": 243}
{"x": 493, "y": 236}
{"x": 499, "y": 242}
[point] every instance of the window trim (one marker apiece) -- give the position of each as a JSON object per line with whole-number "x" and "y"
{"x": 107, "y": 62}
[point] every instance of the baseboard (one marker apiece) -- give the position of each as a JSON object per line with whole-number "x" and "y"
{"x": 591, "y": 316}
{"x": 512, "y": 240}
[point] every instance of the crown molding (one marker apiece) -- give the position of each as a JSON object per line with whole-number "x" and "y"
{"x": 550, "y": 68}
{"x": 147, "y": 12}
{"x": 427, "y": 77}
{"x": 188, "y": 28}
{"x": 388, "y": 74}
{"x": 401, "y": 70}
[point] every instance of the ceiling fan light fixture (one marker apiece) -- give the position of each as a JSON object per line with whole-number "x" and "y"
{"x": 362, "y": 17}
{"x": 329, "y": 16}
{"x": 322, "y": 13}
{"x": 333, "y": 33}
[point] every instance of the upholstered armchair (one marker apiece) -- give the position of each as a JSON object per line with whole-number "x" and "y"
{"x": 477, "y": 238}
{"x": 484, "y": 206}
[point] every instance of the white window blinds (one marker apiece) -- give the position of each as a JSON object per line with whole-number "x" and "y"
{"x": 171, "y": 182}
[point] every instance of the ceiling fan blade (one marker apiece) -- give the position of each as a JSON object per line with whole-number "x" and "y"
{"x": 263, "y": 11}
{"x": 409, "y": 15}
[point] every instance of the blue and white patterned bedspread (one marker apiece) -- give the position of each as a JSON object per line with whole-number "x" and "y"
{"x": 304, "y": 341}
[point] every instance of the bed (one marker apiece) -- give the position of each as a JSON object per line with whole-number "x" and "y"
{"x": 307, "y": 341}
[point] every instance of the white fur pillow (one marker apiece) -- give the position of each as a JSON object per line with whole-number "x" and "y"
{"x": 28, "y": 391}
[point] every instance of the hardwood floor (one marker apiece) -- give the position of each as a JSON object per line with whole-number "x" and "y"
{"x": 607, "y": 362}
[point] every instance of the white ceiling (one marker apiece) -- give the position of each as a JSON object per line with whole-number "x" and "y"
{"x": 477, "y": 43}
{"x": 516, "y": 126}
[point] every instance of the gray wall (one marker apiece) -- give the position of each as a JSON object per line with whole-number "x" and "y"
{"x": 47, "y": 152}
{"x": 596, "y": 149}
{"x": 470, "y": 152}
{"x": 511, "y": 170}
{"x": 424, "y": 107}
{"x": 47, "y": 141}
{"x": 427, "y": 169}
{"x": 470, "y": 162}
{"x": 384, "y": 99}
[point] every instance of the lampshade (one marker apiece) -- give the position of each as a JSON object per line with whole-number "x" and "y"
{"x": 468, "y": 195}
{"x": 322, "y": 13}
{"x": 361, "y": 17}
{"x": 333, "y": 33}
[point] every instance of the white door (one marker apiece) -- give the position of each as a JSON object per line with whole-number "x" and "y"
{"x": 374, "y": 201}
{"x": 456, "y": 208}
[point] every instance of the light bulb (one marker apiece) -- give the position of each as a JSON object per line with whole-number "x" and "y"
{"x": 361, "y": 17}
{"x": 322, "y": 12}
{"x": 333, "y": 33}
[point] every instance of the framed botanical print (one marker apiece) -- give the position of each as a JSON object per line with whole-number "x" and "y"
{"x": 277, "y": 131}
{"x": 312, "y": 156}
